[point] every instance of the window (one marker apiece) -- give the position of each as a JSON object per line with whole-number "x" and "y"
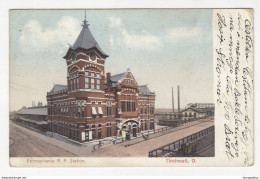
{"x": 128, "y": 106}
{"x": 190, "y": 115}
{"x": 133, "y": 106}
{"x": 185, "y": 114}
{"x": 54, "y": 110}
{"x": 70, "y": 85}
{"x": 86, "y": 80}
{"x": 77, "y": 83}
{"x": 83, "y": 111}
{"x": 141, "y": 110}
{"x": 74, "y": 85}
{"x": 151, "y": 109}
{"x": 87, "y": 132}
{"x": 123, "y": 106}
{"x": 98, "y": 75}
{"x": 100, "y": 112}
{"x": 98, "y": 83}
{"x": 144, "y": 109}
{"x": 128, "y": 81}
{"x": 99, "y": 131}
{"x": 93, "y": 128}
{"x": 109, "y": 109}
{"x": 92, "y": 83}
{"x": 94, "y": 111}
{"x": 151, "y": 124}
{"x": 78, "y": 112}
{"x": 74, "y": 111}
{"x": 109, "y": 129}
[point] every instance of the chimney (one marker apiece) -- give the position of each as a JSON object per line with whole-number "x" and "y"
{"x": 178, "y": 98}
{"x": 108, "y": 81}
{"x": 172, "y": 101}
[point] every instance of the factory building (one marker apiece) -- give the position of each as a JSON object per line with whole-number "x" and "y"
{"x": 192, "y": 111}
{"x": 94, "y": 104}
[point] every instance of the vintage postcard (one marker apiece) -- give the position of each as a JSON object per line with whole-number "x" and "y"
{"x": 131, "y": 87}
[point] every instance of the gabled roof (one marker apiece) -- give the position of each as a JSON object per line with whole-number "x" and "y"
{"x": 34, "y": 111}
{"x": 58, "y": 89}
{"x": 86, "y": 40}
{"x": 143, "y": 89}
{"x": 118, "y": 78}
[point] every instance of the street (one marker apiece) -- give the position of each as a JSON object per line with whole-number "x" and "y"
{"x": 24, "y": 142}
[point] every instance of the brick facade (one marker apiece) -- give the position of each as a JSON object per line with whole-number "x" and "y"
{"x": 94, "y": 105}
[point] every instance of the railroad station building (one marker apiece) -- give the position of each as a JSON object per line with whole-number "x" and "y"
{"x": 94, "y": 104}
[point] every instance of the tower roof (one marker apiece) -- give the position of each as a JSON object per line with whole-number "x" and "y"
{"x": 86, "y": 40}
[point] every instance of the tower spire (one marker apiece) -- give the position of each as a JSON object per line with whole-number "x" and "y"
{"x": 85, "y": 22}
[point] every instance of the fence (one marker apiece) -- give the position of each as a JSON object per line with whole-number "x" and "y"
{"x": 154, "y": 131}
{"x": 161, "y": 151}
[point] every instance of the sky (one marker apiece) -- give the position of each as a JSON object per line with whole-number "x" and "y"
{"x": 162, "y": 47}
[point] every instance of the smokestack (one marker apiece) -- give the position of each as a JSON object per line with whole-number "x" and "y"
{"x": 178, "y": 98}
{"x": 172, "y": 101}
{"x": 108, "y": 80}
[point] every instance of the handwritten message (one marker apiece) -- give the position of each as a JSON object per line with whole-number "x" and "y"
{"x": 233, "y": 63}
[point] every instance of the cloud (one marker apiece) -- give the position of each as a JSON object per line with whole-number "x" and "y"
{"x": 111, "y": 41}
{"x": 115, "y": 22}
{"x": 148, "y": 41}
{"x": 181, "y": 33}
{"x": 35, "y": 38}
{"x": 143, "y": 40}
